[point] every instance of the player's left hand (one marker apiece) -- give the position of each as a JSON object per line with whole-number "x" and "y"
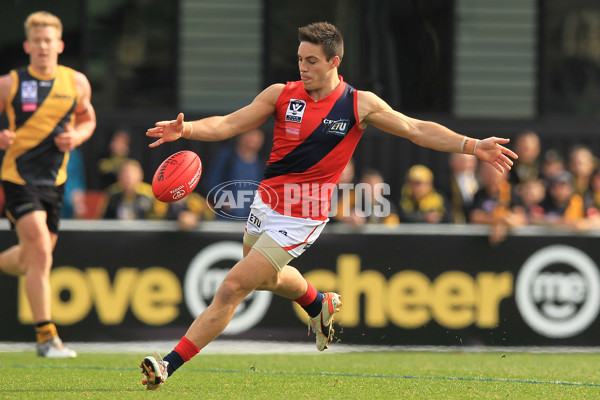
{"x": 492, "y": 151}
{"x": 67, "y": 140}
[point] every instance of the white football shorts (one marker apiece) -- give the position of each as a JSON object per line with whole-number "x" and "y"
{"x": 293, "y": 234}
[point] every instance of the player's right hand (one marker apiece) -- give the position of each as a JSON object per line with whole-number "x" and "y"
{"x": 166, "y": 131}
{"x": 6, "y": 138}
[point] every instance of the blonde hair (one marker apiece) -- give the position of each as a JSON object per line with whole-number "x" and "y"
{"x": 41, "y": 19}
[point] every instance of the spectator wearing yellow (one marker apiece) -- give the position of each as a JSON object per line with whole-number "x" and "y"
{"x": 420, "y": 201}
{"x": 130, "y": 197}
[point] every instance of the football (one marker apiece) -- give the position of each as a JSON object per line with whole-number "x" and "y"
{"x": 177, "y": 176}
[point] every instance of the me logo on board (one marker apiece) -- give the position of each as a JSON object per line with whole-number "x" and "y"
{"x": 558, "y": 291}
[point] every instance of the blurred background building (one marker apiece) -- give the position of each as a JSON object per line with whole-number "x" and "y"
{"x": 481, "y": 67}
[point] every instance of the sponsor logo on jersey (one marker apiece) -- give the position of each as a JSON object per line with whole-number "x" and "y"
{"x": 29, "y": 95}
{"x": 254, "y": 220}
{"x": 59, "y": 96}
{"x": 295, "y": 110}
{"x": 339, "y": 127}
{"x": 292, "y": 133}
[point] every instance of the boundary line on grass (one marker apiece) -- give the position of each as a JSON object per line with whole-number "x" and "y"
{"x": 334, "y": 374}
{"x": 224, "y": 346}
{"x": 433, "y": 377}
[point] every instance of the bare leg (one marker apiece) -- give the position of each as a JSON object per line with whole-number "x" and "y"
{"x": 33, "y": 258}
{"x": 253, "y": 272}
{"x": 250, "y": 273}
{"x": 10, "y": 261}
{"x": 289, "y": 284}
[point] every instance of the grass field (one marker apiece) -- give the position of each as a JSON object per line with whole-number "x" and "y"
{"x": 364, "y": 375}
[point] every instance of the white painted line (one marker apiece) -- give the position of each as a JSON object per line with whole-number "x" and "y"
{"x": 266, "y": 347}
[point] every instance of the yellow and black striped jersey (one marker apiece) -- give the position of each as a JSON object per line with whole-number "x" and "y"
{"x": 38, "y": 108}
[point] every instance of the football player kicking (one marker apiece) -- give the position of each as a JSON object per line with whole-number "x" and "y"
{"x": 318, "y": 123}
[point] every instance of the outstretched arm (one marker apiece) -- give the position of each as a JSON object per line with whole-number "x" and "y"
{"x": 374, "y": 111}
{"x": 219, "y": 127}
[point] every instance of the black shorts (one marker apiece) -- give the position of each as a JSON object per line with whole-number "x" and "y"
{"x": 23, "y": 199}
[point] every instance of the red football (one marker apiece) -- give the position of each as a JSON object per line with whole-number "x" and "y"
{"x": 177, "y": 176}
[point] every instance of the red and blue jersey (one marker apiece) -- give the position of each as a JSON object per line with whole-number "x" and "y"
{"x": 312, "y": 143}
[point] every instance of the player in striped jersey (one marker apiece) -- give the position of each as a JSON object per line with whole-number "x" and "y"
{"x": 49, "y": 113}
{"x": 318, "y": 123}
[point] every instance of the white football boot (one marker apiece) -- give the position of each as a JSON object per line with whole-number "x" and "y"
{"x": 155, "y": 371}
{"x": 54, "y": 348}
{"x": 322, "y": 324}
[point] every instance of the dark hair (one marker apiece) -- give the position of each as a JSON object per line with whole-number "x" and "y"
{"x": 552, "y": 155}
{"x": 326, "y": 35}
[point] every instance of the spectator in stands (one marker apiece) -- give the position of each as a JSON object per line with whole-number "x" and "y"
{"x": 527, "y": 166}
{"x": 130, "y": 197}
{"x": 419, "y": 200}
{"x": 593, "y": 207}
{"x": 188, "y": 212}
{"x": 595, "y": 187}
{"x": 531, "y": 194}
{"x": 372, "y": 201}
{"x": 462, "y": 185}
{"x": 241, "y": 162}
{"x": 563, "y": 206}
{"x": 582, "y": 164}
{"x": 74, "y": 205}
{"x": 552, "y": 164}
{"x": 495, "y": 204}
{"x": 116, "y": 155}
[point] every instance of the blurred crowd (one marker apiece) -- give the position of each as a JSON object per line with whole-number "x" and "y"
{"x": 548, "y": 189}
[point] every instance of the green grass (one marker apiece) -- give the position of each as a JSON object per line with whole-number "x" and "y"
{"x": 369, "y": 375}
